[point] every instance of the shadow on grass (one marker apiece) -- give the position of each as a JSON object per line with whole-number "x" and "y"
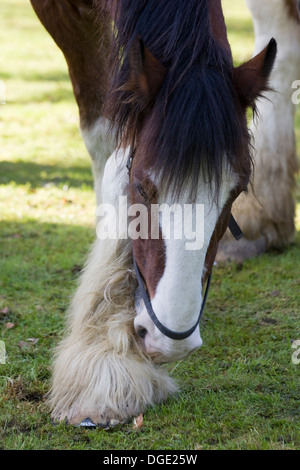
{"x": 36, "y": 76}
{"x": 39, "y": 269}
{"x": 41, "y": 260}
{"x": 22, "y": 172}
{"x": 62, "y": 94}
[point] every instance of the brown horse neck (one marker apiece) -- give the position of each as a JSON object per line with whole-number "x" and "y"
{"x": 85, "y": 45}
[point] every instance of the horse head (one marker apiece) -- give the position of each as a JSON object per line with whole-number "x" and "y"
{"x": 185, "y": 114}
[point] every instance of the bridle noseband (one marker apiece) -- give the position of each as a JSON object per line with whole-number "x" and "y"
{"x": 236, "y": 232}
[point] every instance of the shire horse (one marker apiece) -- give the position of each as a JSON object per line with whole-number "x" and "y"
{"x": 267, "y": 211}
{"x": 178, "y": 109}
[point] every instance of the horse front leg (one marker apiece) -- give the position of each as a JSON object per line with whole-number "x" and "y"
{"x": 100, "y": 371}
{"x": 84, "y": 37}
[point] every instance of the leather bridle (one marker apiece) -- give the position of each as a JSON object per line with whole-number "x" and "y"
{"x": 236, "y": 232}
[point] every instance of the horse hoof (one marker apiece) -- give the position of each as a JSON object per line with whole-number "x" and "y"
{"x": 88, "y": 424}
{"x": 240, "y": 251}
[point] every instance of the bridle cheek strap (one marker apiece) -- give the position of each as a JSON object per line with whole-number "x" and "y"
{"x": 235, "y": 228}
{"x": 238, "y": 234}
{"x": 163, "y": 329}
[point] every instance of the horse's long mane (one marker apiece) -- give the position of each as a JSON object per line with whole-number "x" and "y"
{"x": 195, "y": 123}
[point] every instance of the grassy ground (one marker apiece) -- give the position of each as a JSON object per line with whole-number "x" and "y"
{"x": 240, "y": 391}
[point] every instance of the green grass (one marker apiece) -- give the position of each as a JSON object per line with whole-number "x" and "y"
{"x": 240, "y": 391}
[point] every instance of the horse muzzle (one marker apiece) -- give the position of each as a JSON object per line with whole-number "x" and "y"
{"x": 160, "y": 348}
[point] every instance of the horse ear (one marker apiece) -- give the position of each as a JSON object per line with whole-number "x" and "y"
{"x": 251, "y": 79}
{"x": 147, "y": 74}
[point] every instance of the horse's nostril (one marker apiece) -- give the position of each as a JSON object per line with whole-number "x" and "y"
{"x": 142, "y": 332}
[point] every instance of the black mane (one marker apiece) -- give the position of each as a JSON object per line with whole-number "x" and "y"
{"x": 199, "y": 132}
{"x": 195, "y": 123}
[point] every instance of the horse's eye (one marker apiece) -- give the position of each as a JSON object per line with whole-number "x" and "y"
{"x": 142, "y": 192}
